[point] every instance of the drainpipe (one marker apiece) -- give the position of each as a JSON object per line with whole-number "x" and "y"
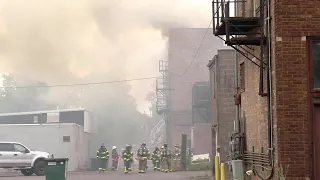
{"x": 269, "y": 85}
{"x": 269, "y": 91}
{"x": 261, "y": 91}
{"x": 217, "y": 76}
{"x": 236, "y": 84}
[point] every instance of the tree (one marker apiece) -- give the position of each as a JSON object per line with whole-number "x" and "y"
{"x": 114, "y": 110}
{"x": 16, "y": 99}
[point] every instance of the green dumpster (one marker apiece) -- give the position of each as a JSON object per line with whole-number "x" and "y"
{"x": 56, "y": 169}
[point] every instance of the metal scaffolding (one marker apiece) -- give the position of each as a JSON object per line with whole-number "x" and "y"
{"x": 163, "y": 97}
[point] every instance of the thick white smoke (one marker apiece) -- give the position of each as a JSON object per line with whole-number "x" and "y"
{"x": 58, "y": 41}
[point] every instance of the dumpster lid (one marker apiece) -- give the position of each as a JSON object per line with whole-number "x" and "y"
{"x": 56, "y": 159}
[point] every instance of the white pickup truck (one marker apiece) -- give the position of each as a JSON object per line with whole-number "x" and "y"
{"x": 14, "y": 155}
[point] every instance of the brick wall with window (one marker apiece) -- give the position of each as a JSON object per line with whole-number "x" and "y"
{"x": 295, "y": 75}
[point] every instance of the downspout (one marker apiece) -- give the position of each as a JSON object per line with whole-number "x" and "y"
{"x": 269, "y": 85}
{"x": 217, "y": 77}
{"x": 269, "y": 91}
{"x": 236, "y": 84}
{"x": 261, "y": 91}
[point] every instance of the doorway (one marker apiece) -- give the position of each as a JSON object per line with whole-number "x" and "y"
{"x": 316, "y": 131}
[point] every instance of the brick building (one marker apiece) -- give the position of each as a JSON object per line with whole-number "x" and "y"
{"x": 223, "y": 110}
{"x": 183, "y": 44}
{"x": 278, "y": 93}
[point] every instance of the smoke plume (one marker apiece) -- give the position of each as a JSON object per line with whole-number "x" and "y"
{"x": 62, "y": 41}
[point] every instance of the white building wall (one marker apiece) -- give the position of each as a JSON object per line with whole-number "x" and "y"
{"x": 49, "y": 138}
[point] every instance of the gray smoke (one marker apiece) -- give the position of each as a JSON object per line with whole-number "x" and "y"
{"x": 62, "y": 41}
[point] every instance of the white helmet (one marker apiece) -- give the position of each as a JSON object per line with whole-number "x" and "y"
{"x": 114, "y": 147}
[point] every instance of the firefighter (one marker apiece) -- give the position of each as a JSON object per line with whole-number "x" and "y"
{"x": 176, "y": 157}
{"x": 131, "y": 161}
{"x": 115, "y": 158}
{"x": 103, "y": 156}
{"x": 161, "y": 160}
{"x": 156, "y": 157}
{"x": 143, "y": 154}
{"x": 165, "y": 159}
{"x": 127, "y": 158}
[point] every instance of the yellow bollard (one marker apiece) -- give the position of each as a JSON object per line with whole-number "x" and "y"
{"x": 217, "y": 168}
{"x": 223, "y": 172}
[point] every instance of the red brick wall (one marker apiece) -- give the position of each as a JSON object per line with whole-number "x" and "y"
{"x": 292, "y": 22}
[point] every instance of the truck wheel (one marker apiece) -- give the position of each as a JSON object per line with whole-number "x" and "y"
{"x": 27, "y": 172}
{"x": 39, "y": 167}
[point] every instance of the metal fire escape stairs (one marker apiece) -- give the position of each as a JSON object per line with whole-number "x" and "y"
{"x": 244, "y": 34}
{"x": 162, "y": 92}
{"x": 156, "y": 135}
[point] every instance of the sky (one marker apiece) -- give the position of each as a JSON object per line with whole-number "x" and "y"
{"x": 57, "y": 41}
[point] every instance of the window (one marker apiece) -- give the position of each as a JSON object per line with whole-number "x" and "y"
{"x": 66, "y": 138}
{"x": 242, "y": 77}
{"x": 315, "y": 55}
{"x": 6, "y": 147}
{"x": 212, "y": 83}
{"x": 19, "y": 148}
{"x": 35, "y": 119}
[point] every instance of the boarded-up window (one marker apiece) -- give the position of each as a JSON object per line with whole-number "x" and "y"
{"x": 242, "y": 77}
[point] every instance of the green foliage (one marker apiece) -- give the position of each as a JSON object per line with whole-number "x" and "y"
{"x": 114, "y": 109}
{"x": 14, "y": 99}
{"x": 199, "y": 165}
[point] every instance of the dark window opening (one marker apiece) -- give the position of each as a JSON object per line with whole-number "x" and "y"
{"x": 242, "y": 77}
{"x": 316, "y": 64}
{"x": 66, "y": 138}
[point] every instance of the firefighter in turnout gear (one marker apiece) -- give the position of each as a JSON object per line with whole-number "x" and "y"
{"x": 165, "y": 159}
{"x": 143, "y": 155}
{"x": 156, "y": 157}
{"x": 176, "y": 158}
{"x": 131, "y": 161}
{"x": 115, "y": 158}
{"x": 103, "y": 156}
{"x": 127, "y": 158}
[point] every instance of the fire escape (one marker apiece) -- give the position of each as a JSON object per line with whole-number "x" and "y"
{"x": 249, "y": 35}
{"x": 200, "y": 102}
{"x": 244, "y": 34}
{"x": 162, "y": 88}
{"x": 163, "y": 97}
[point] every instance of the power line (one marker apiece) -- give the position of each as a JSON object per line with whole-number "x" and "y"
{"x": 199, "y": 47}
{"x": 83, "y": 84}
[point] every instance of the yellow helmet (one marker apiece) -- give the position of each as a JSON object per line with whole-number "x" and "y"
{"x": 162, "y": 147}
